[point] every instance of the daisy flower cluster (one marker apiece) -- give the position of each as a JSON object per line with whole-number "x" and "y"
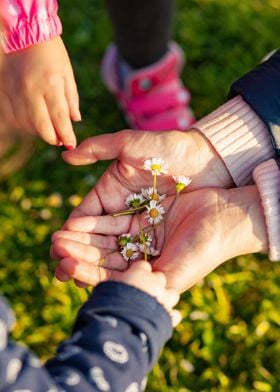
{"x": 150, "y": 202}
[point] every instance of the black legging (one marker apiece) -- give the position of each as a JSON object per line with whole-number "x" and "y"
{"x": 142, "y": 29}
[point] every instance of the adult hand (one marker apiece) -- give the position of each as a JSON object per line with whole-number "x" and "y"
{"x": 205, "y": 228}
{"x": 186, "y": 153}
{"x": 38, "y": 93}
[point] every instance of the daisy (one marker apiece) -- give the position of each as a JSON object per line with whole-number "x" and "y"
{"x": 134, "y": 200}
{"x": 124, "y": 239}
{"x": 156, "y": 165}
{"x": 181, "y": 182}
{"x": 130, "y": 251}
{"x": 151, "y": 251}
{"x": 150, "y": 194}
{"x": 145, "y": 242}
{"x": 155, "y": 212}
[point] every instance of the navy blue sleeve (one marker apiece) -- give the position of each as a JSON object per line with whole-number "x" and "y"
{"x": 260, "y": 88}
{"x": 116, "y": 340}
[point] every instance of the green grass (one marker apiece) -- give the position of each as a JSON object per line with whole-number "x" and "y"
{"x": 229, "y": 339}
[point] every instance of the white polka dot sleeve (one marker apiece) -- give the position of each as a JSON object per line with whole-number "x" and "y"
{"x": 116, "y": 340}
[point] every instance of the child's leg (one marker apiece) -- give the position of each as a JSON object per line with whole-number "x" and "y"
{"x": 142, "y": 29}
{"x": 142, "y": 69}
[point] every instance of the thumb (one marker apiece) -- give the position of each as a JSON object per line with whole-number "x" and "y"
{"x": 97, "y": 148}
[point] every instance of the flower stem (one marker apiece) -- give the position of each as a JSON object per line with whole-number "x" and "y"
{"x": 155, "y": 184}
{"x": 142, "y": 237}
{"x": 131, "y": 211}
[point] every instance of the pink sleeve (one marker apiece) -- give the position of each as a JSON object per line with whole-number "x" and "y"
{"x": 28, "y": 22}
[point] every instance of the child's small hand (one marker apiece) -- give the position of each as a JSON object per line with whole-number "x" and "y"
{"x": 38, "y": 92}
{"x": 141, "y": 276}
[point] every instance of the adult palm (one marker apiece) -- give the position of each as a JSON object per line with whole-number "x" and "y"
{"x": 186, "y": 153}
{"x": 203, "y": 229}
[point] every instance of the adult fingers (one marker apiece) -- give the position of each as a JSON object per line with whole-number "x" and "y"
{"x": 93, "y": 149}
{"x": 109, "y": 259}
{"x": 99, "y": 241}
{"x": 61, "y": 275}
{"x": 104, "y": 224}
{"x": 88, "y": 273}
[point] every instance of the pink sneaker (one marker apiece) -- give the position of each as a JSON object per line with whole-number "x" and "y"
{"x": 153, "y": 98}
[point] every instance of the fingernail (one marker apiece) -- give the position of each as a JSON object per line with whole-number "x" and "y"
{"x": 68, "y": 266}
{"x": 78, "y": 117}
{"x": 69, "y": 147}
{"x": 59, "y": 144}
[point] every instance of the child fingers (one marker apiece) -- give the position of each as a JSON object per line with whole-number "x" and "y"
{"x": 170, "y": 298}
{"x": 72, "y": 96}
{"x": 87, "y": 273}
{"x": 6, "y": 110}
{"x": 176, "y": 317}
{"x": 160, "y": 277}
{"x": 41, "y": 121}
{"x": 141, "y": 264}
{"x": 59, "y": 114}
{"x": 99, "y": 241}
{"x": 107, "y": 225}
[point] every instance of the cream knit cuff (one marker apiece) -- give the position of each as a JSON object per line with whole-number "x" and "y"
{"x": 267, "y": 179}
{"x": 239, "y": 136}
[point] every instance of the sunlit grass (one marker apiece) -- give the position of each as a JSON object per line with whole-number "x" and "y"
{"x": 229, "y": 337}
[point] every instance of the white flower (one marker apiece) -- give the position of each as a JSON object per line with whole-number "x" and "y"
{"x": 151, "y": 251}
{"x": 130, "y": 251}
{"x": 156, "y": 165}
{"x": 134, "y": 200}
{"x": 145, "y": 242}
{"x": 124, "y": 239}
{"x": 181, "y": 182}
{"x": 150, "y": 194}
{"x": 155, "y": 212}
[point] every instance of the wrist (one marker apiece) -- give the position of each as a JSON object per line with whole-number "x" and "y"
{"x": 239, "y": 136}
{"x": 246, "y": 219}
{"x": 210, "y": 170}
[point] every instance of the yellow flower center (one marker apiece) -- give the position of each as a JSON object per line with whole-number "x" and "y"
{"x": 129, "y": 253}
{"x": 156, "y": 167}
{"x": 155, "y": 196}
{"x": 180, "y": 186}
{"x": 153, "y": 213}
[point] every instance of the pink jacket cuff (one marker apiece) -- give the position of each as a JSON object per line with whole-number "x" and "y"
{"x": 28, "y": 22}
{"x": 240, "y": 138}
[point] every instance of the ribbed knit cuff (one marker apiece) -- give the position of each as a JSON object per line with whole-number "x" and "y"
{"x": 239, "y": 136}
{"x": 267, "y": 179}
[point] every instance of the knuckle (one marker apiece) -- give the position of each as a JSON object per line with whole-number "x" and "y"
{"x": 53, "y": 81}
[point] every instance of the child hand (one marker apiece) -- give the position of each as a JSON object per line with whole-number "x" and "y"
{"x": 141, "y": 276}
{"x": 38, "y": 92}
